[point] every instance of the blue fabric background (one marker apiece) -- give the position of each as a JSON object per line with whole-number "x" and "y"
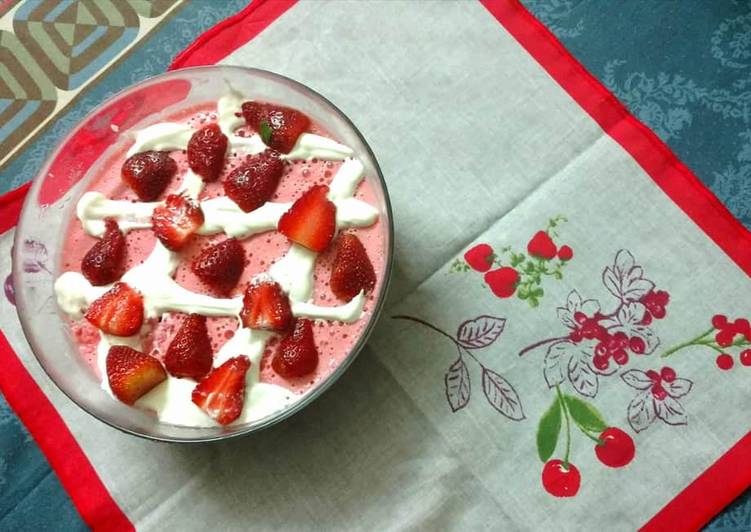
{"x": 683, "y": 68}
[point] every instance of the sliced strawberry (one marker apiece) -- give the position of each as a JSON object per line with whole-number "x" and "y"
{"x": 281, "y": 125}
{"x": 220, "y": 265}
{"x": 118, "y": 311}
{"x": 311, "y": 221}
{"x": 252, "y": 184}
{"x": 103, "y": 263}
{"x": 296, "y": 355}
{"x": 148, "y": 173}
{"x": 189, "y": 353}
{"x": 266, "y": 306}
{"x": 222, "y": 393}
{"x": 131, "y": 373}
{"x": 176, "y": 221}
{"x": 352, "y": 271}
{"x": 206, "y": 150}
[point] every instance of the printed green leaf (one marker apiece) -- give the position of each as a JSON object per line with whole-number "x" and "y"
{"x": 533, "y": 301}
{"x": 539, "y": 292}
{"x": 548, "y": 430}
{"x": 265, "y": 130}
{"x": 585, "y": 415}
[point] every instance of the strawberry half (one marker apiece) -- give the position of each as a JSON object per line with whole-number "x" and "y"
{"x": 103, "y": 263}
{"x": 118, "y": 311}
{"x": 352, "y": 271}
{"x": 132, "y": 374}
{"x": 222, "y": 393}
{"x": 311, "y": 221}
{"x": 148, "y": 173}
{"x": 282, "y": 125}
{"x": 175, "y": 221}
{"x": 252, "y": 184}
{"x": 296, "y": 355}
{"x": 266, "y": 306}
{"x": 189, "y": 353}
{"x": 220, "y": 265}
{"x": 206, "y": 150}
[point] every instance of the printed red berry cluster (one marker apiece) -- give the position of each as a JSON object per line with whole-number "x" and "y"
{"x": 613, "y": 447}
{"x": 507, "y": 273}
{"x": 722, "y": 337}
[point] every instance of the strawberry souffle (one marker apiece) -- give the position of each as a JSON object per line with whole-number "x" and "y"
{"x": 223, "y": 264}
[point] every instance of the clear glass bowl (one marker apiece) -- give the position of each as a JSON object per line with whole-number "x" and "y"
{"x": 64, "y": 177}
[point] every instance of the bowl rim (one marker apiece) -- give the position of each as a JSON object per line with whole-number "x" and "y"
{"x": 313, "y": 394}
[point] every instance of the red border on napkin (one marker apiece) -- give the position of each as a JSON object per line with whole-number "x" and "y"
{"x": 730, "y": 475}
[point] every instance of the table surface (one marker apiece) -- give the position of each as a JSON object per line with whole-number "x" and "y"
{"x": 684, "y": 69}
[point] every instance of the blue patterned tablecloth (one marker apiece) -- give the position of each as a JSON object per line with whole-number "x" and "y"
{"x": 683, "y": 68}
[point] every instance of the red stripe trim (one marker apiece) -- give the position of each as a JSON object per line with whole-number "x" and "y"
{"x": 709, "y": 493}
{"x": 730, "y": 475}
{"x": 10, "y": 207}
{"x": 653, "y": 155}
{"x": 78, "y": 477}
{"x": 231, "y": 34}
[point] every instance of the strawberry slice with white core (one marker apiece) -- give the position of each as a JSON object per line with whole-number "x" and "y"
{"x": 131, "y": 374}
{"x": 221, "y": 394}
{"x": 118, "y": 311}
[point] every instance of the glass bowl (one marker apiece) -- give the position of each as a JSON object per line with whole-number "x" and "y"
{"x": 64, "y": 177}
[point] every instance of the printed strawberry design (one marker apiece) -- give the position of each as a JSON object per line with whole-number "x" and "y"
{"x": 311, "y": 221}
{"x": 189, "y": 353}
{"x": 104, "y": 262}
{"x": 118, "y": 311}
{"x": 252, "y": 184}
{"x": 221, "y": 394}
{"x": 352, "y": 271}
{"x": 503, "y": 281}
{"x": 220, "y": 265}
{"x": 480, "y": 257}
{"x": 131, "y": 374}
{"x": 148, "y": 173}
{"x": 266, "y": 306}
{"x": 176, "y": 221}
{"x": 206, "y": 150}
{"x": 508, "y": 273}
{"x": 542, "y": 246}
{"x": 297, "y": 354}
{"x": 279, "y": 126}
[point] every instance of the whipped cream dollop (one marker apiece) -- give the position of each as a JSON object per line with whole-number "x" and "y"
{"x": 154, "y": 278}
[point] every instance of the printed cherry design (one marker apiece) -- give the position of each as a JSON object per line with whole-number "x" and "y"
{"x": 657, "y": 397}
{"x": 480, "y": 257}
{"x": 724, "y": 361}
{"x": 745, "y": 357}
{"x": 542, "y": 246}
{"x": 503, "y": 281}
{"x": 617, "y": 448}
{"x": 560, "y": 479}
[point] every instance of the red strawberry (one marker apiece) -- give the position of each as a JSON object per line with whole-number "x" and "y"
{"x": 502, "y": 281}
{"x": 189, "y": 353}
{"x": 311, "y": 221}
{"x": 266, "y": 306}
{"x": 222, "y": 392}
{"x": 296, "y": 355}
{"x": 352, "y": 270}
{"x": 206, "y": 150}
{"x": 480, "y": 257}
{"x": 252, "y": 184}
{"x": 148, "y": 173}
{"x": 118, "y": 311}
{"x": 103, "y": 263}
{"x": 176, "y": 221}
{"x": 565, "y": 253}
{"x": 282, "y": 125}
{"x": 541, "y": 245}
{"x": 220, "y": 265}
{"x": 131, "y": 373}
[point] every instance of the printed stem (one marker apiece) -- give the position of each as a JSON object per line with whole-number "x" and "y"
{"x": 459, "y": 346}
{"x": 541, "y": 342}
{"x": 568, "y": 425}
{"x": 693, "y": 341}
{"x": 595, "y": 439}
